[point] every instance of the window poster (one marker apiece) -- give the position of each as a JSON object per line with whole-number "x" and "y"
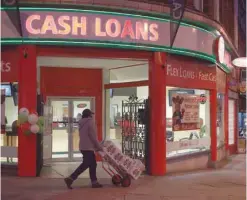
{"x": 3, "y": 118}
{"x": 186, "y": 111}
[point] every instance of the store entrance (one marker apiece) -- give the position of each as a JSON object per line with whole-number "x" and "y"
{"x": 65, "y": 134}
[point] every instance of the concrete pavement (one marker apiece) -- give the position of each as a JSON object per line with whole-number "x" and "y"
{"x": 228, "y": 183}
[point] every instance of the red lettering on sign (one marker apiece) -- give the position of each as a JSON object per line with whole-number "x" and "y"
{"x": 9, "y": 64}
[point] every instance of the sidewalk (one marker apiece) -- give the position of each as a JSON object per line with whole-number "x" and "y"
{"x": 224, "y": 184}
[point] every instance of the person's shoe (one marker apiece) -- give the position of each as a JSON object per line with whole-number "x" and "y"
{"x": 96, "y": 185}
{"x": 68, "y": 182}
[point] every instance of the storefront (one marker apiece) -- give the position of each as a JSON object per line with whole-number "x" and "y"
{"x": 75, "y": 59}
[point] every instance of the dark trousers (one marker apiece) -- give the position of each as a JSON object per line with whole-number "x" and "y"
{"x": 89, "y": 161}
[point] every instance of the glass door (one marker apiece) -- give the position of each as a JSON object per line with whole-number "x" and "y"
{"x": 65, "y": 134}
{"x": 77, "y": 108}
{"x": 60, "y": 129}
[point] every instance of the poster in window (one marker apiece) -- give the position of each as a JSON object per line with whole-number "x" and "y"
{"x": 186, "y": 110}
{"x": 3, "y": 124}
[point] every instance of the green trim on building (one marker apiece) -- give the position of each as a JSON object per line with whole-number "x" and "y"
{"x": 108, "y": 44}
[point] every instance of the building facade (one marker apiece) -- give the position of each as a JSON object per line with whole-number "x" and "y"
{"x": 68, "y": 56}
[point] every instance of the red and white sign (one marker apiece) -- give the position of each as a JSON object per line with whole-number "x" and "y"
{"x": 82, "y": 105}
{"x": 9, "y": 65}
{"x": 186, "y": 109}
{"x": 190, "y": 73}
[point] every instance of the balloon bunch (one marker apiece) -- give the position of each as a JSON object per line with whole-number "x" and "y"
{"x": 29, "y": 122}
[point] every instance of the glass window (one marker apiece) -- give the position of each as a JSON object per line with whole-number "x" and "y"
{"x": 187, "y": 121}
{"x": 220, "y": 120}
{"x": 114, "y": 110}
{"x": 10, "y": 138}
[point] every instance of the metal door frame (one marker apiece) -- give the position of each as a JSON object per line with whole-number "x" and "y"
{"x": 70, "y": 100}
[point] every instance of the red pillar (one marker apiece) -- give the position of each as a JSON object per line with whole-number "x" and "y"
{"x": 236, "y": 110}
{"x": 226, "y": 120}
{"x": 213, "y": 116}
{"x": 27, "y": 98}
{"x": 157, "y": 94}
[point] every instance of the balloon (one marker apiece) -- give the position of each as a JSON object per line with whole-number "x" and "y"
{"x": 41, "y": 129}
{"x": 24, "y": 111}
{"x": 33, "y": 118}
{"x": 33, "y": 112}
{"x": 22, "y": 118}
{"x": 34, "y": 128}
{"x": 41, "y": 121}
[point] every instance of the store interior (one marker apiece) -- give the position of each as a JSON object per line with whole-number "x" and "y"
{"x": 114, "y": 71}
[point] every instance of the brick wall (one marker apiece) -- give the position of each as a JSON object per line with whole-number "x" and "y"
{"x": 227, "y": 16}
{"x": 208, "y": 8}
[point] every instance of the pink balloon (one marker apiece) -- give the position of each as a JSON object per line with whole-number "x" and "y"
{"x": 33, "y": 118}
{"x": 34, "y": 128}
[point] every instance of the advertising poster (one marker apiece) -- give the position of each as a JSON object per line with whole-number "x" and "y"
{"x": 185, "y": 109}
{"x": 3, "y": 120}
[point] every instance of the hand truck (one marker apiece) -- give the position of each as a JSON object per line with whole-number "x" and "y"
{"x": 118, "y": 175}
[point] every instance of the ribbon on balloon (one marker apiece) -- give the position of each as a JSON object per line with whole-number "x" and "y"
{"x": 30, "y": 122}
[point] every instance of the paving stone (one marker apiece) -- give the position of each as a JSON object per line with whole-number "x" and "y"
{"x": 228, "y": 183}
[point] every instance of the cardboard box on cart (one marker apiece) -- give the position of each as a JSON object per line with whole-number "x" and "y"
{"x": 136, "y": 169}
{"x": 126, "y": 164}
{"x": 113, "y": 152}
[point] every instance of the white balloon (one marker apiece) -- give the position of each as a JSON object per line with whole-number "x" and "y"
{"x": 24, "y": 111}
{"x": 33, "y": 118}
{"x": 34, "y": 128}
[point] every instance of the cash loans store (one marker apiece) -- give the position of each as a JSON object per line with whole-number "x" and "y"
{"x": 71, "y": 59}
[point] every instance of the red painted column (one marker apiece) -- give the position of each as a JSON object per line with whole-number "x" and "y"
{"x": 226, "y": 120}
{"x": 213, "y": 118}
{"x": 157, "y": 94}
{"x": 27, "y": 98}
{"x": 236, "y": 126}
